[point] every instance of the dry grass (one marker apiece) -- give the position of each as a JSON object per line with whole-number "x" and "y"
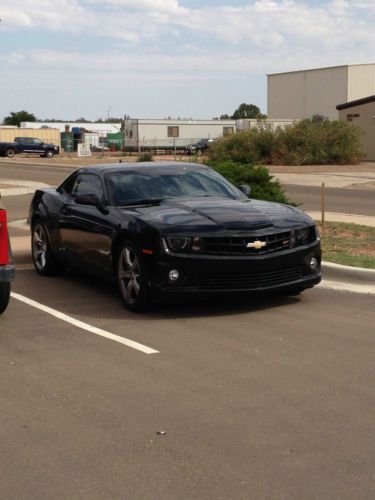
{"x": 348, "y": 244}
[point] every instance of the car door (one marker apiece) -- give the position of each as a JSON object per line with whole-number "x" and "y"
{"x": 36, "y": 146}
{"x": 26, "y": 145}
{"x": 86, "y": 232}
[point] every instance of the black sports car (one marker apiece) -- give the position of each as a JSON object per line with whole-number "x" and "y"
{"x": 165, "y": 229}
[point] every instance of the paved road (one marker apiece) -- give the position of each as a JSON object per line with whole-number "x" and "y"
{"x": 338, "y": 200}
{"x": 343, "y": 200}
{"x": 259, "y": 399}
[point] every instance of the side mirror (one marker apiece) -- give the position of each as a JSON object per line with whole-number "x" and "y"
{"x": 245, "y": 188}
{"x": 92, "y": 200}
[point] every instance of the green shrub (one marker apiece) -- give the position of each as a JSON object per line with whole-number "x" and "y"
{"x": 308, "y": 142}
{"x": 248, "y": 147}
{"x": 263, "y": 185}
{"x": 318, "y": 142}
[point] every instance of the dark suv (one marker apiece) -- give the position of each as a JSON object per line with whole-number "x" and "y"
{"x": 199, "y": 147}
{"x": 36, "y": 146}
{"x": 6, "y": 266}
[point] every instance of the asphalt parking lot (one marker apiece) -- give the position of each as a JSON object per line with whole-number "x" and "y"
{"x": 258, "y": 398}
{"x": 264, "y": 398}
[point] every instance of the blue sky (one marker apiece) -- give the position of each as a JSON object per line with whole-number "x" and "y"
{"x": 159, "y": 58}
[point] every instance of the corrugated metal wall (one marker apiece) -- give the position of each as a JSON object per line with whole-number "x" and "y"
{"x": 361, "y": 81}
{"x": 302, "y": 94}
{"x": 50, "y": 135}
{"x": 363, "y": 116}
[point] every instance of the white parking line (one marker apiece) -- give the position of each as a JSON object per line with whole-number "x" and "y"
{"x": 84, "y": 326}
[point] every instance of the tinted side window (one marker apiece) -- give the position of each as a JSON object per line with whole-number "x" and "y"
{"x": 88, "y": 184}
{"x": 68, "y": 185}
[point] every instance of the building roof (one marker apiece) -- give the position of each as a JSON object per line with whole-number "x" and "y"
{"x": 358, "y": 102}
{"x": 319, "y": 69}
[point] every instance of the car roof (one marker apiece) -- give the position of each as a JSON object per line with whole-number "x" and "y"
{"x": 149, "y": 165}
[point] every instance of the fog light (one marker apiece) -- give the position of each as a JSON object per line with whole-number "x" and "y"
{"x": 314, "y": 264}
{"x": 173, "y": 275}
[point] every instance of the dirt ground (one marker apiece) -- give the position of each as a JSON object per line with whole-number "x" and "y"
{"x": 114, "y": 158}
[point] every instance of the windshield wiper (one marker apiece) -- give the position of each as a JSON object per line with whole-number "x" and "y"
{"x": 146, "y": 201}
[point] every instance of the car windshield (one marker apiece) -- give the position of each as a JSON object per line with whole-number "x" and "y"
{"x": 132, "y": 187}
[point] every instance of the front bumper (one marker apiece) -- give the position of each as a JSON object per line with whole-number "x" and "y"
{"x": 205, "y": 275}
{"x": 7, "y": 273}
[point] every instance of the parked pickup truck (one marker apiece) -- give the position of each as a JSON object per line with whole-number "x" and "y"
{"x": 6, "y": 266}
{"x": 28, "y": 145}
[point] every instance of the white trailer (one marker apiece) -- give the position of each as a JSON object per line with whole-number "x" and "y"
{"x": 173, "y": 134}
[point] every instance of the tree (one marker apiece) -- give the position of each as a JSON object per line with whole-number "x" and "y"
{"x": 15, "y": 118}
{"x": 247, "y": 111}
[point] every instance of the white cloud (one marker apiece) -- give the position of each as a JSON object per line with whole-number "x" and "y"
{"x": 148, "y": 5}
{"x": 159, "y": 44}
{"x": 263, "y": 22}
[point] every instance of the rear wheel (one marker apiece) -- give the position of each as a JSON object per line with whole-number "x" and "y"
{"x": 132, "y": 277}
{"x": 4, "y": 295}
{"x": 10, "y": 152}
{"x": 45, "y": 262}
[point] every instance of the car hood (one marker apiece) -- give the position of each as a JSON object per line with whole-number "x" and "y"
{"x": 213, "y": 214}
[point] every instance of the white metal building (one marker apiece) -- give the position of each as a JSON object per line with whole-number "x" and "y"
{"x": 302, "y": 94}
{"x": 101, "y": 128}
{"x": 362, "y": 114}
{"x": 251, "y": 123}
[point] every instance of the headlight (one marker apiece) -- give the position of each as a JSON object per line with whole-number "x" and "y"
{"x": 302, "y": 235}
{"x": 179, "y": 244}
{"x": 184, "y": 244}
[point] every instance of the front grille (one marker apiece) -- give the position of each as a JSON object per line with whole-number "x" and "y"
{"x": 239, "y": 245}
{"x": 250, "y": 281}
{"x": 255, "y": 245}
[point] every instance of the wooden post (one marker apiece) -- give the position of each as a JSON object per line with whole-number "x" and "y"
{"x": 322, "y": 203}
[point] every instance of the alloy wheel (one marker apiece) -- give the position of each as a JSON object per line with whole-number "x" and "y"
{"x": 129, "y": 275}
{"x": 39, "y": 247}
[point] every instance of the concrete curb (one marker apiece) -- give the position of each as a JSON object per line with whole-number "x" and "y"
{"x": 338, "y": 272}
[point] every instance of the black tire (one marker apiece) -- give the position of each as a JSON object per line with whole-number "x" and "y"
{"x": 10, "y": 152}
{"x": 45, "y": 262}
{"x": 49, "y": 154}
{"x": 4, "y": 295}
{"x": 132, "y": 277}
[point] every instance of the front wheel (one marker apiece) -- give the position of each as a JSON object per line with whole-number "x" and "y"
{"x": 4, "y": 295}
{"x": 49, "y": 154}
{"x": 44, "y": 261}
{"x": 132, "y": 278}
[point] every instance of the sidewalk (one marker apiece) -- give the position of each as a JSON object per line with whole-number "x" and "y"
{"x": 348, "y": 179}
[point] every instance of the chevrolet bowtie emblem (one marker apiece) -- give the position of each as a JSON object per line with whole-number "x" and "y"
{"x": 257, "y": 244}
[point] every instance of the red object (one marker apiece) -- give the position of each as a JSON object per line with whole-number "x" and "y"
{"x": 4, "y": 250}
